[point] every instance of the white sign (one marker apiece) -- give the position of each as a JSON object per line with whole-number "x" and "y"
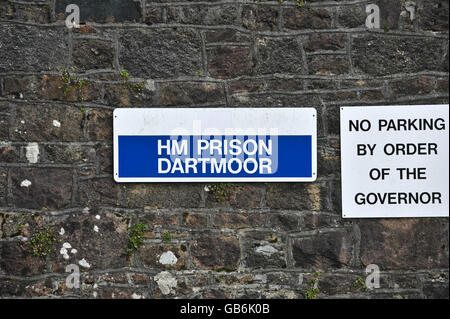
{"x": 215, "y": 144}
{"x": 394, "y": 161}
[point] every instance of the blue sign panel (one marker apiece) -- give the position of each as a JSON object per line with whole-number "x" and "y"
{"x": 148, "y": 147}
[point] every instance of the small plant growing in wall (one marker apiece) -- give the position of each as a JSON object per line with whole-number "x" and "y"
{"x": 313, "y": 290}
{"x": 359, "y": 282}
{"x": 125, "y": 81}
{"x": 219, "y": 191}
{"x": 166, "y": 236}
{"x": 69, "y": 82}
{"x": 136, "y": 237}
{"x": 41, "y": 243}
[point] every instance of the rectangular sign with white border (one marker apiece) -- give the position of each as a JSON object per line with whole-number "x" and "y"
{"x": 394, "y": 161}
{"x": 215, "y": 145}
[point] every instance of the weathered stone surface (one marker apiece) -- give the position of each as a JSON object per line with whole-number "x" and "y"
{"x": 119, "y": 293}
{"x": 389, "y": 14}
{"x": 51, "y": 87}
{"x": 372, "y": 95}
{"x": 329, "y": 160}
{"x": 68, "y": 154}
{"x": 278, "y": 100}
{"x": 154, "y": 15}
{"x": 4, "y": 130}
{"x": 416, "y": 86}
{"x": 433, "y": 15}
{"x": 217, "y": 252}
{"x": 203, "y": 14}
{"x": 89, "y": 54}
{"x": 133, "y": 94}
{"x": 298, "y": 196}
{"x": 325, "y": 41}
{"x": 102, "y": 11}
{"x": 442, "y": 85}
{"x": 22, "y": 48}
{"x": 9, "y": 153}
{"x": 105, "y": 156}
{"x": 405, "y": 243}
{"x": 234, "y": 195}
{"x": 259, "y": 85}
{"x": 192, "y": 94}
{"x": 283, "y": 221}
{"x": 101, "y": 242}
{"x": 163, "y": 195}
{"x": 15, "y": 260}
{"x": 25, "y": 12}
{"x": 4, "y": 106}
{"x": 337, "y": 284}
{"x": 226, "y": 35}
{"x": 384, "y": 54}
{"x": 160, "y": 53}
{"x": 328, "y": 64}
{"x": 338, "y": 96}
{"x": 279, "y": 56}
{"x": 3, "y": 186}
{"x": 324, "y": 250}
{"x": 195, "y": 221}
{"x": 98, "y": 192}
{"x": 99, "y": 125}
{"x": 238, "y": 220}
{"x": 436, "y": 290}
{"x": 21, "y": 225}
{"x": 257, "y": 17}
{"x": 306, "y": 18}
{"x": 232, "y": 279}
{"x": 352, "y": 16}
{"x": 229, "y": 62}
{"x": 320, "y": 220}
{"x": 265, "y": 255}
{"x": 36, "y": 123}
{"x": 50, "y": 188}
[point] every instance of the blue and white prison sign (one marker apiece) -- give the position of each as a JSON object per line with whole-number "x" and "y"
{"x": 215, "y": 145}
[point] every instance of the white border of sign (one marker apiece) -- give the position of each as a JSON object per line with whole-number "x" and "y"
{"x": 354, "y": 169}
{"x": 160, "y": 121}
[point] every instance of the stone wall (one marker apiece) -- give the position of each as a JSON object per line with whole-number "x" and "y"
{"x": 58, "y": 88}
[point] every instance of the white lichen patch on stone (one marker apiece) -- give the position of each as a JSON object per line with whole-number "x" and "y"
{"x": 25, "y": 183}
{"x": 260, "y": 277}
{"x": 32, "y": 152}
{"x": 136, "y": 296}
{"x": 96, "y": 228}
{"x": 166, "y": 282}
{"x": 84, "y": 263}
{"x": 63, "y": 250}
{"x": 150, "y": 85}
{"x": 266, "y": 250}
{"x": 56, "y": 123}
{"x": 243, "y": 98}
{"x": 168, "y": 258}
